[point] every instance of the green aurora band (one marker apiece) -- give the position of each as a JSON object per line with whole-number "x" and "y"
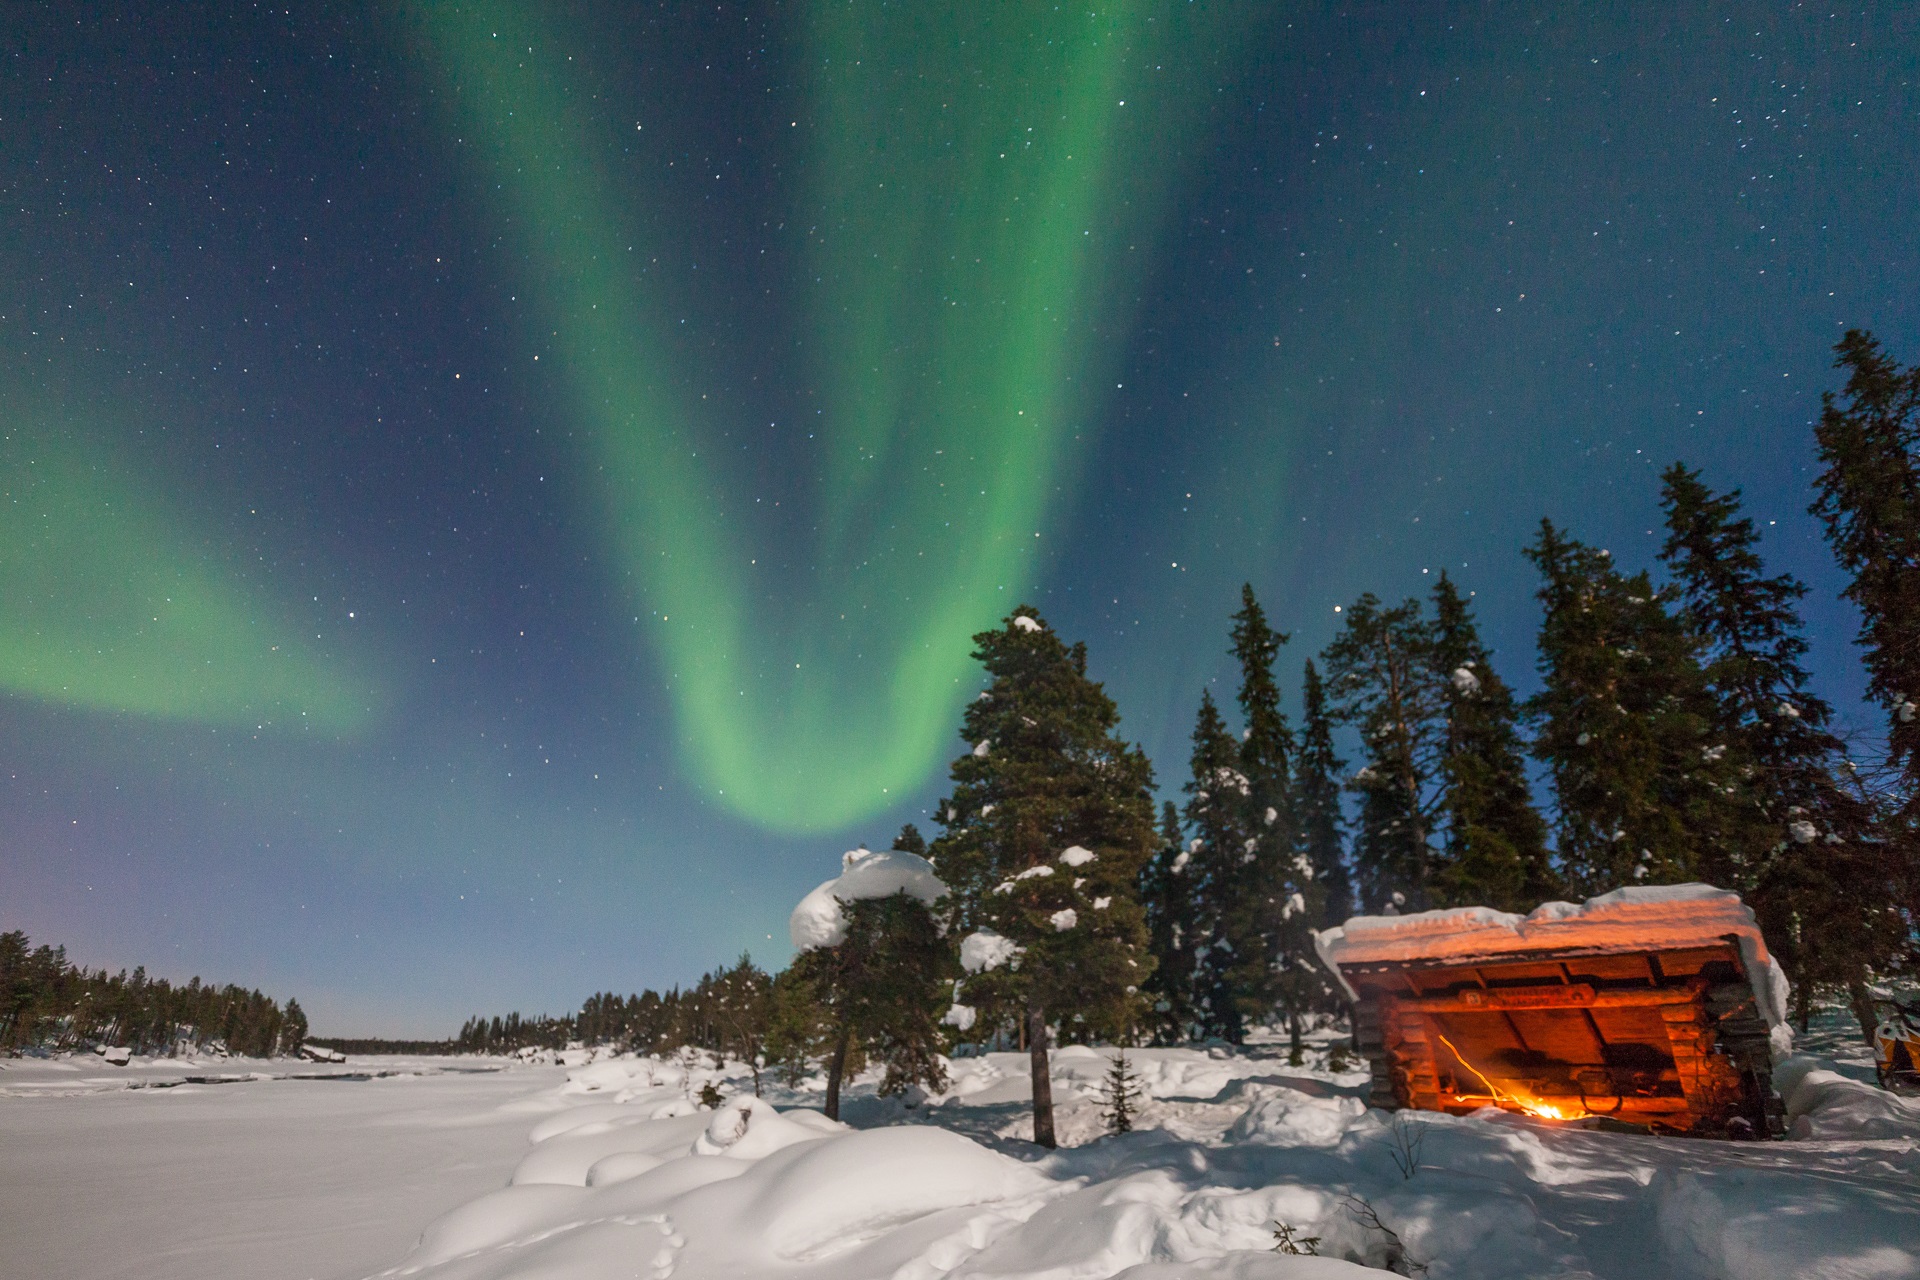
{"x": 985, "y": 183}
{"x": 111, "y": 603}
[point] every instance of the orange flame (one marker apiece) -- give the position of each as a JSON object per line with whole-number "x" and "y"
{"x": 1532, "y": 1106}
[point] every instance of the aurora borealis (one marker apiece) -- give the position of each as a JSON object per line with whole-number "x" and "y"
{"x": 957, "y": 165}
{"x": 498, "y": 495}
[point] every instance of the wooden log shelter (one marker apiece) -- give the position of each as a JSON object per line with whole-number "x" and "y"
{"x": 1651, "y": 1007}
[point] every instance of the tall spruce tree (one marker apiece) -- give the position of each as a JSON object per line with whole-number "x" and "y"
{"x": 1282, "y": 899}
{"x": 1816, "y": 867}
{"x": 1646, "y": 790}
{"x": 1166, "y": 894}
{"x": 1380, "y": 677}
{"x": 293, "y": 1028}
{"x": 1869, "y": 500}
{"x": 1225, "y": 875}
{"x": 1316, "y": 792}
{"x": 1496, "y": 840}
{"x": 1049, "y": 823}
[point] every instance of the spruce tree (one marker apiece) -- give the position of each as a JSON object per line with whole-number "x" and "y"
{"x": 1166, "y": 895}
{"x": 1646, "y": 791}
{"x": 1225, "y": 851}
{"x": 1316, "y": 791}
{"x": 1282, "y": 899}
{"x": 881, "y": 992}
{"x": 1496, "y": 840}
{"x": 799, "y": 1024}
{"x": 1049, "y": 823}
{"x": 1380, "y": 677}
{"x": 1815, "y": 867}
{"x": 293, "y": 1028}
{"x": 742, "y": 1004}
{"x": 1122, "y": 1089}
{"x": 1869, "y": 500}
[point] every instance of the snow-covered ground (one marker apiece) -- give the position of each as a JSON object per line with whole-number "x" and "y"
{"x": 609, "y": 1169}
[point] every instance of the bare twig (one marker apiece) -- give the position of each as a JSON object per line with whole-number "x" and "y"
{"x": 1406, "y": 1136}
{"x": 1395, "y": 1257}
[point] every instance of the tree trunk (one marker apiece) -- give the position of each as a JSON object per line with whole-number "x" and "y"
{"x": 1294, "y": 1047}
{"x": 1042, "y": 1077}
{"x": 1802, "y": 1000}
{"x": 1862, "y": 1001}
{"x": 837, "y": 1067}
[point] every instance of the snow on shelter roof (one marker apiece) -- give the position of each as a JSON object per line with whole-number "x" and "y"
{"x": 1649, "y": 918}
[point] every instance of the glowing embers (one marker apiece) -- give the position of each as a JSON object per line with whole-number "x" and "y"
{"x": 1513, "y": 1097}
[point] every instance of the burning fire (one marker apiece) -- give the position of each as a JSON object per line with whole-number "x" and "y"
{"x": 1530, "y": 1105}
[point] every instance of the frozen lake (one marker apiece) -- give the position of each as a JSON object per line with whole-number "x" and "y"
{"x": 275, "y": 1179}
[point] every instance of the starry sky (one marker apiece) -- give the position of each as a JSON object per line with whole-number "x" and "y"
{"x": 494, "y": 498}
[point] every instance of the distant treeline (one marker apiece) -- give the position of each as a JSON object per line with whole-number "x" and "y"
{"x": 725, "y": 1009}
{"x": 371, "y": 1045}
{"x": 47, "y": 1003}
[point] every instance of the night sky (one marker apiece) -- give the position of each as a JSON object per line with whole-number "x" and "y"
{"x": 493, "y": 499}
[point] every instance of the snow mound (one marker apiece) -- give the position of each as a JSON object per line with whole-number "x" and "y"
{"x": 1284, "y": 1117}
{"x": 1631, "y": 919}
{"x": 1824, "y": 1105}
{"x": 827, "y": 1197}
{"x": 745, "y": 1128}
{"x": 820, "y": 921}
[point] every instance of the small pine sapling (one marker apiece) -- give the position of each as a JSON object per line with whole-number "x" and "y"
{"x": 1289, "y": 1242}
{"x": 710, "y": 1096}
{"x": 1123, "y": 1095}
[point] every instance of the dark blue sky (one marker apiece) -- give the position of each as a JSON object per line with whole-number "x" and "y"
{"x": 1419, "y": 275}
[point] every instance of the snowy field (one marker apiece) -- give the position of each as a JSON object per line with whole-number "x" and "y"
{"x": 607, "y": 1169}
